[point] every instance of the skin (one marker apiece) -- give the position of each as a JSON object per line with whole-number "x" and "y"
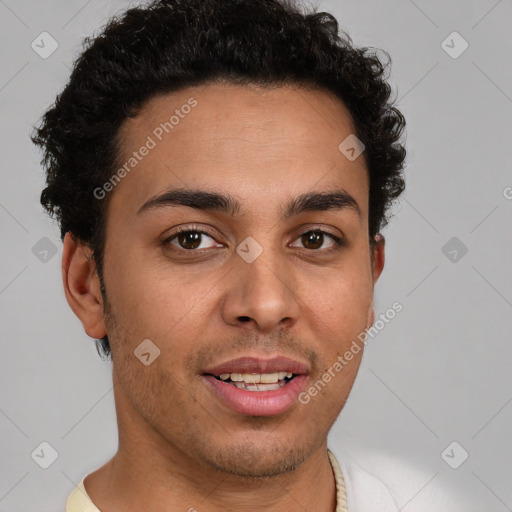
{"x": 179, "y": 447}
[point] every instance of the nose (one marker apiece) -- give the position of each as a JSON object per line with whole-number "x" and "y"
{"x": 261, "y": 295}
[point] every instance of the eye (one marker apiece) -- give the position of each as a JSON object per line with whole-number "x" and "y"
{"x": 314, "y": 240}
{"x": 191, "y": 239}
{"x": 188, "y": 239}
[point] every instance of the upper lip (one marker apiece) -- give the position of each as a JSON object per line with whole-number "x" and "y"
{"x": 257, "y": 365}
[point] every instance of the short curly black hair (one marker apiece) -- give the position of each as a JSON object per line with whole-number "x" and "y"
{"x": 167, "y": 45}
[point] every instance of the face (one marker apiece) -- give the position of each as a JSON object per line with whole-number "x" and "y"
{"x": 268, "y": 278}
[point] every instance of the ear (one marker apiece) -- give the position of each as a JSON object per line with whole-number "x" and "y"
{"x": 377, "y": 257}
{"x": 82, "y": 286}
{"x": 377, "y": 262}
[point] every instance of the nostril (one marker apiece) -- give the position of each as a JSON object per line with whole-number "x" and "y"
{"x": 244, "y": 318}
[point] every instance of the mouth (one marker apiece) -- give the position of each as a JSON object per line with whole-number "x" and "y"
{"x": 257, "y": 387}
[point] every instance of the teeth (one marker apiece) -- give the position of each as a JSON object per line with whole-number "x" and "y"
{"x": 256, "y": 378}
{"x": 252, "y": 378}
{"x": 269, "y": 378}
{"x": 259, "y": 387}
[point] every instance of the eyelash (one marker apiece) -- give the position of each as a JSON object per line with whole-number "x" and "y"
{"x": 339, "y": 243}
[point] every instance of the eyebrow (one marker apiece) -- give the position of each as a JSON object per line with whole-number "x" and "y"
{"x": 215, "y": 201}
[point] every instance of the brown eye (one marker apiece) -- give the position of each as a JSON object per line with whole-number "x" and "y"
{"x": 312, "y": 239}
{"x": 190, "y": 240}
{"x": 315, "y": 239}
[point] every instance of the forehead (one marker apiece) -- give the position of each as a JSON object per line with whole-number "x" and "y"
{"x": 253, "y": 140}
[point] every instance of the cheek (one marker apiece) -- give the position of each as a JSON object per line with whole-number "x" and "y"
{"x": 344, "y": 299}
{"x": 339, "y": 314}
{"x": 158, "y": 302}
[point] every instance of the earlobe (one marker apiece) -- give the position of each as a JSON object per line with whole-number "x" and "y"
{"x": 82, "y": 286}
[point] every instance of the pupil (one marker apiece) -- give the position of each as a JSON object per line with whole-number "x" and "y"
{"x": 314, "y": 238}
{"x": 190, "y": 239}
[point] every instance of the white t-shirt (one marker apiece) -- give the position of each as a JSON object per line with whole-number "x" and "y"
{"x": 380, "y": 482}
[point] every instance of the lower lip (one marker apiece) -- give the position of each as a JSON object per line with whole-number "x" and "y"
{"x": 258, "y": 403}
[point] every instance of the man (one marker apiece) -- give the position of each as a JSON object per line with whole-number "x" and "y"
{"x": 221, "y": 171}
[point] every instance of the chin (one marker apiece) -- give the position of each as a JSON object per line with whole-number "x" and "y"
{"x": 255, "y": 461}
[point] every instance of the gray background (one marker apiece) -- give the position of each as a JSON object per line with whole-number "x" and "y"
{"x": 437, "y": 373}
